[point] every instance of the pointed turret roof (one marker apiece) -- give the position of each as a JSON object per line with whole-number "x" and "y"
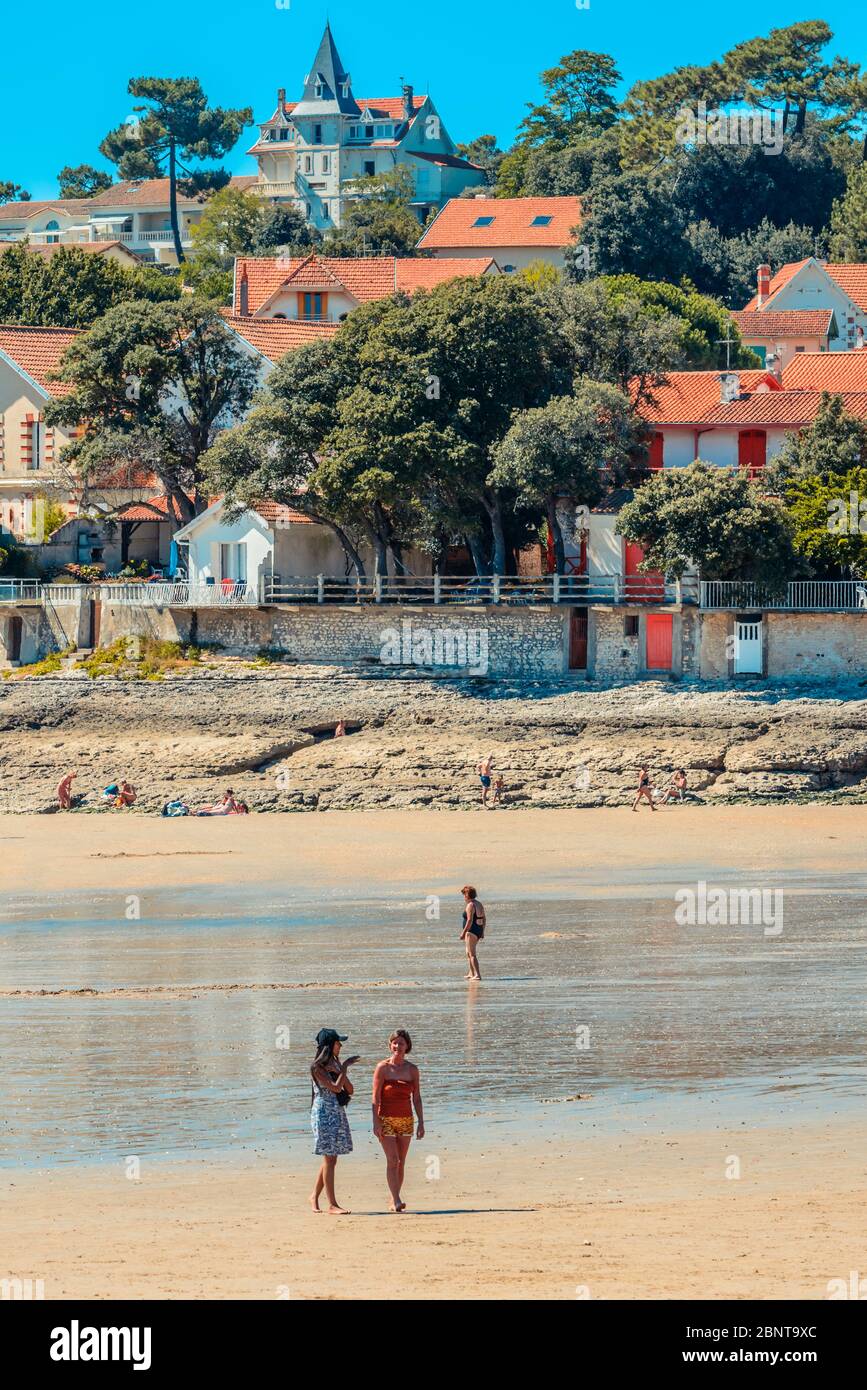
{"x": 326, "y": 88}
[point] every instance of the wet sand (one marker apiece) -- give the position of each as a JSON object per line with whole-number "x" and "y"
{"x": 553, "y": 1208}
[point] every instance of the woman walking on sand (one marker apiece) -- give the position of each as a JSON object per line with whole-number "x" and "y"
{"x": 396, "y": 1089}
{"x": 644, "y": 792}
{"x": 473, "y": 922}
{"x": 331, "y": 1091}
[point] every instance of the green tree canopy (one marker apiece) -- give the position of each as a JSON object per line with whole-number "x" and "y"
{"x": 380, "y": 220}
{"x": 152, "y": 386}
{"x": 82, "y": 181}
{"x": 714, "y": 519}
{"x": 72, "y": 288}
{"x": 13, "y": 192}
{"x": 829, "y": 512}
{"x": 575, "y": 446}
{"x": 176, "y": 128}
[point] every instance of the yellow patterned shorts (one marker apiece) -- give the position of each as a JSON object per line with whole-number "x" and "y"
{"x": 396, "y": 1126}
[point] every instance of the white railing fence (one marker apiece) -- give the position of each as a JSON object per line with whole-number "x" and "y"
{"x": 801, "y": 595}
{"x": 507, "y": 590}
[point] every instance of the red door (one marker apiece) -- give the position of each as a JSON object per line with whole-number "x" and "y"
{"x": 578, "y": 639}
{"x": 641, "y": 588}
{"x": 752, "y": 451}
{"x": 655, "y": 460}
{"x": 659, "y": 641}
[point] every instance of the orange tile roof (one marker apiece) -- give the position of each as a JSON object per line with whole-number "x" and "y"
{"x": 37, "y": 351}
{"x": 278, "y": 514}
{"x": 415, "y": 273}
{"x": 144, "y": 192}
{"x": 827, "y": 371}
{"x": 152, "y": 509}
{"x": 511, "y": 224}
{"x": 275, "y": 337}
{"x": 690, "y": 398}
{"x": 693, "y": 399}
{"x": 15, "y": 211}
{"x": 363, "y": 277}
{"x": 783, "y": 323}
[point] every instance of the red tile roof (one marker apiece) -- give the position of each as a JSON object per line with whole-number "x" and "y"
{"x": 851, "y": 277}
{"x": 97, "y": 248}
{"x": 511, "y": 225}
{"x": 363, "y": 277}
{"x": 690, "y": 398}
{"x": 37, "y": 351}
{"x": 783, "y": 323}
{"x": 693, "y": 399}
{"x": 827, "y": 371}
{"x": 144, "y": 192}
{"x": 278, "y": 514}
{"x": 275, "y": 337}
{"x": 153, "y": 509}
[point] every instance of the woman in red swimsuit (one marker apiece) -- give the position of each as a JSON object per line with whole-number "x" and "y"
{"x": 396, "y": 1090}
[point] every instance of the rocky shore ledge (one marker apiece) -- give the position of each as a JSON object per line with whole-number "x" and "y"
{"x": 415, "y": 741}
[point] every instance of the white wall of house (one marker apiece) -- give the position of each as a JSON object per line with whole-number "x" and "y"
{"x": 718, "y": 446}
{"x": 518, "y": 257}
{"x": 207, "y": 559}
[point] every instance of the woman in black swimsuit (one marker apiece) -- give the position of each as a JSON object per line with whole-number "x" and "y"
{"x": 473, "y": 929}
{"x": 644, "y": 792}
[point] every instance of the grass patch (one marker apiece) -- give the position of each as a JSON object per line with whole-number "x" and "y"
{"x": 47, "y": 666}
{"x": 140, "y": 658}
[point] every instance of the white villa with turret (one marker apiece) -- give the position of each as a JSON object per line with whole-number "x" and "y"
{"x": 310, "y": 150}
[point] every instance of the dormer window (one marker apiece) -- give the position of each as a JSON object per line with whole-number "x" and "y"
{"x": 318, "y": 91}
{"x": 540, "y": 222}
{"x": 344, "y": 89}
{"x": 284, "y": 134}
{"x": 483, "y": 221}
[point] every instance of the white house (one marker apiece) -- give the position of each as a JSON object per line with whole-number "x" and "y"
{"x": 832, "y": 286}
{"x": 264, "y": 545}
{"x": 134, "y": 213}
{"x": 309, "y": 150}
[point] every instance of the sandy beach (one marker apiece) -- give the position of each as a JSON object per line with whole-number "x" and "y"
{"x": 755, "y": 1205}
{"x": 434, "y": 851}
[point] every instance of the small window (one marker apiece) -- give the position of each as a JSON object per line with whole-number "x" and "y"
{"x": 317, "y": 135}
{"x": 509, "y": 269}
{"x": 368, "y": 132}
{"x": 326, "y": 163}
{"x": 483, "y": 221}
{"x": 540, "y": 222}
{"x": 284, "y": 134}
{"x": 308, "y": 164}
{"x": 318, "y": 91}
{"x": 630, "y": 625}
{"x": 369, "y": 166}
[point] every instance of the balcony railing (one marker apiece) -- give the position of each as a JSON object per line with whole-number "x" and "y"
{"x": 802, "y": 595}
{"x": 19, "y": 590}
{"x": 225, "y": 593}
{"x": 506, "y": 590}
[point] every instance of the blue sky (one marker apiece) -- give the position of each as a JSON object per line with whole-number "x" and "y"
{"x": 480, "y": 59}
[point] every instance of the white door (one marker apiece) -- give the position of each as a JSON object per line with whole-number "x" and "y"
{"x": 748, "y": 646}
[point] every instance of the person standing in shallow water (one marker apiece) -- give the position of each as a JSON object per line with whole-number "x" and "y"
{"x": 328, "y": 1118}
{"x": 396, "y": 1089}
{"x": 473, "y": 924}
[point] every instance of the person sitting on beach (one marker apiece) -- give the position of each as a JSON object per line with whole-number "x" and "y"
{"x": 676, "y": 789}
{"x": 340, "y": 729}
{"x": 64, "y": 791}
{"x": 127, "y": 794}
{"x": 396, "y": 1089}
{"x": 484, "y": 771}
{"x": 330, "y": 1094}
{"x": 473, "y": 923}
{"x": 644, "y": 792}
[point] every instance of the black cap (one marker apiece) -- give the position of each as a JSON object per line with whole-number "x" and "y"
{"x": 329, "y": 1035}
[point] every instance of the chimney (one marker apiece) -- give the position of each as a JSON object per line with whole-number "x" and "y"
{"x": 774, "y": 362}
{"x": 281, "y": 97}
{"x": 729, "y": 387}
{"x": 764, "y": 284}
{"x": 243, "y": 293}
{"x": 407, "y": 102}
{"x": 859, "y": 337}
